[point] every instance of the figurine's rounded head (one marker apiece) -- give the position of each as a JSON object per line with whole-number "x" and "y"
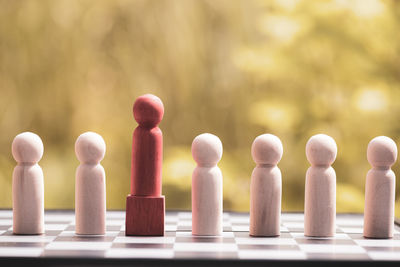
{"x": 27, "y": 147}
{"x": 90, "y": 148}
{"x": 321, "y": 150}
{"x": 382, "y": 152}
{"x": 267, "y": 149}
{"x": 207, "y": 149}
{"x": 148, "y": 110}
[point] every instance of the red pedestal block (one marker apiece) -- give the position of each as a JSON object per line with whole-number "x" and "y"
{"x": 145, "y": 216}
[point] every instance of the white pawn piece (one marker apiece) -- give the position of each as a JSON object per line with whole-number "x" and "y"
{"x": 266, "y": 186}
{"x": 380, "y": 188}
{"x": 28, "y": 185}
{"x": 207, "y": 186}
{"x": 320, "y": 189}
{"x": 90, "y": 185}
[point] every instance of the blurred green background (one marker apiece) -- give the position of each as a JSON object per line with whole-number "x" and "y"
{"x": 236, "y": 69}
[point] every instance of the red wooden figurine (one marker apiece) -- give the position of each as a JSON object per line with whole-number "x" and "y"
{"x": 145, "y": 206}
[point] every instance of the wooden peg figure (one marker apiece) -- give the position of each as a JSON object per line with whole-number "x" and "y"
{"x": 145, "y": 206}
{"x": 380, "y": 187}
{"x": 266, "y": 186}
{"x": 90, "y": 185}
{"x": 207, "y": 186}
{"x": 28, "y": 185}
{"x": 320, "y": 189}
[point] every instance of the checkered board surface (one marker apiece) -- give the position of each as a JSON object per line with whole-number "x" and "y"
{"x": 178, "y": 243}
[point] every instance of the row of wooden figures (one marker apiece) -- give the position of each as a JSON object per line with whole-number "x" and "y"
{"x": 265, "y": 189}
{"x": 320, "y": 187}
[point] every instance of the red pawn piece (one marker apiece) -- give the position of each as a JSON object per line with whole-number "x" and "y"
{"x": 145, "y": 206}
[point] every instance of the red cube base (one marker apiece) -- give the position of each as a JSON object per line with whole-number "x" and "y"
{"x": 144, "y": 216}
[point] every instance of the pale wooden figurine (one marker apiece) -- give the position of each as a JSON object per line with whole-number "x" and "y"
{"x": 266, "y": 186}
{"x": 380, "y": 187}
{"x": 207, "y": 186}
{"x": 320, "y": 188}
{"x": 28, "y": 185}
{"x": 90, "y": 185}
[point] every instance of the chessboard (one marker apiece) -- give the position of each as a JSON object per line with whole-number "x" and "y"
{"x": 235, "y": 245}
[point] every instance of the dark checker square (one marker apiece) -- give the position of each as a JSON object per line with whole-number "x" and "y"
{"x": 383, "y": 249}
{"x": 261, "y": 247}
{"x": 142, "y": 245}
{"x": 64, "y": 222}
{"x": 337, "y": 256}
{"x": 206, "y": 255}
{"x": 23, "y": 244}
{"x": 184, "y": 228}
{"x": 74, "y": 253}
{"x": 53, "y": 232}
{"x": 227, "y": 228}
{"x": 325, "y": 241}
{"x": 84, "y": 238}
{"x": 195, "y": 239}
